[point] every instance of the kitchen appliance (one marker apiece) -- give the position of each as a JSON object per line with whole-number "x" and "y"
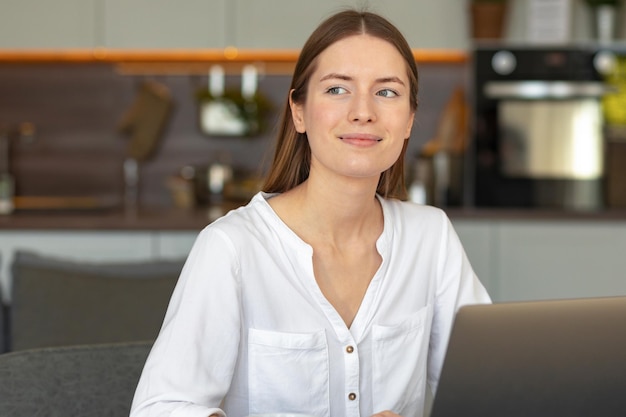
{"x": 538, "y": 137}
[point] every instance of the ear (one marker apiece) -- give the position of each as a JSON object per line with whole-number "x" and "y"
{"x": 297, "y": 114}
{"x": 410, "y": 125}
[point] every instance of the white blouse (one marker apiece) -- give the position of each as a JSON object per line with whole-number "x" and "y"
{"x": 248, "y": 330}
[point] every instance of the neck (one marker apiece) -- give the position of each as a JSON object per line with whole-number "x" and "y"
{"x": 335, "y": 212}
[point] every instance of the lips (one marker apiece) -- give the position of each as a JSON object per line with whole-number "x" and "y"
{"x": 360, "y": 138}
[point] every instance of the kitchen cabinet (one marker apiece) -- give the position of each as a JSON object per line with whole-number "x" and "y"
{"x": 530, "y": 260}
{"x": 441, "y": 24}
{"x": 265, "y": 24}
{"x": 173, "y": 244}
{"x": 193, "y": 24}
{"x": 164, "y": 24}
{"x": 288, "y": 23}
{"x": 134, "y": 24}
{"x": 561, "y": 260}
{"x": 43, "y": 24}
{"x": 478, "y": 241}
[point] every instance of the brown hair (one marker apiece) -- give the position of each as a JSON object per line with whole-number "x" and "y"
{"x": 292, "y": 156}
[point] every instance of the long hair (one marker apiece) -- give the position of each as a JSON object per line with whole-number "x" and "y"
{"x": 292, "y": 155}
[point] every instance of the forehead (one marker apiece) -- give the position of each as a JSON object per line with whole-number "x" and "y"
{"x": 362, "y": 54}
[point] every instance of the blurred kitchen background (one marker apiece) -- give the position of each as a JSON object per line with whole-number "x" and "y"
{"x": 128, "y": 125}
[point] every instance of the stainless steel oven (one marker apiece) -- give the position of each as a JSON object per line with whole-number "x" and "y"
{"x": 538, "y": 138}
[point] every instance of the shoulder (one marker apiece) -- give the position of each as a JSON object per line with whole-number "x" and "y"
{"x": 407, "y": 223}
{"x": 252, "y": 219}
{"x": 412, "y": 213}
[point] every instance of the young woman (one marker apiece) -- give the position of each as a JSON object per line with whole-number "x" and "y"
{"x": 326, "y": 295}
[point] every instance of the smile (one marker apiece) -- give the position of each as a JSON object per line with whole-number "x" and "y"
{"x": 360, "y": 138}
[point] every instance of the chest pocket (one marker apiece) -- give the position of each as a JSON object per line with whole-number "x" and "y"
{"x": 288, "y": 372}
{"x": 399, "y": 364}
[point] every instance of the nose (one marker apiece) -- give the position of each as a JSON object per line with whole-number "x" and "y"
{"x": 362, "y": 109}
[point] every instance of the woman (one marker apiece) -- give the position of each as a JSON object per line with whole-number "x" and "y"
{"x": 326, "y": 295}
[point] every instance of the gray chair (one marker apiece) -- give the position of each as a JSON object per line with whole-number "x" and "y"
{"x": 3, "y": 346}
{"x": 74, "y": 381}
{"x": 59, "y": 303}
{"x": 3, "y": 325}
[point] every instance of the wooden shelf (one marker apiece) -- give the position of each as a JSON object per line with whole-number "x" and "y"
{"x": 271, "y": 61}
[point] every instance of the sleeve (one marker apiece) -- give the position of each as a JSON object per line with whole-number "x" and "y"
{"x": 191, "y": 364}
{"x": 457, "y": 285}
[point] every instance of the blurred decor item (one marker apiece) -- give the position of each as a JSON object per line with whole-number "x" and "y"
{"x": 444, "y": 154}
{"x": 24, "y": 131}
{"x": 182, "y": 191}
{"x": 615, "y": 166}
{"x": 212, "y": 180}
{"x": 232, "y": 112}
{"x": 74, "y": 203}
{"x": 614, "y": 103}
{"x": 7, "y": 185}
{"x": 145, "y": 119}
{"x": 604, "y": 14}
{"x": 488, "y": 18}
{"x": 213, "y": 184}
{"x": 144, "y": 122}
{"x": 549, "y": 21}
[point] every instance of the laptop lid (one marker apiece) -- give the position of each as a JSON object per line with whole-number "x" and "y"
{"x": 560, "y": 358}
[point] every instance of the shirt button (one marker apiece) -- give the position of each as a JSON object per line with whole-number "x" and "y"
{"x": 352, "y": 396}
{"x": 349, "y": 349}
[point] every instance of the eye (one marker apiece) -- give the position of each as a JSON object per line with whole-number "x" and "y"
{"x": 387, "y": 93}
{"x": 336, "y": 90}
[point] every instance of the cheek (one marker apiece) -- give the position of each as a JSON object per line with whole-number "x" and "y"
{"x": 404, "y": 125}
{"x": 320, "y": 119}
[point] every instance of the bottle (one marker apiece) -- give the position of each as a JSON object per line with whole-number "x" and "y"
{"x": 7, "y": 191}
{"x": 417, "y": 188}
{"x": 7, "y": 184}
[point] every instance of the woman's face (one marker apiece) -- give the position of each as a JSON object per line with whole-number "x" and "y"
{"x": 357, "y": 111}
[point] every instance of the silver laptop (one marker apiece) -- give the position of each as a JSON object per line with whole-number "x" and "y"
{"x": 561, "y": 358}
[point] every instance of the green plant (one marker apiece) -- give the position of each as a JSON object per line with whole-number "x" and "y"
{"x": 254, "y": 110}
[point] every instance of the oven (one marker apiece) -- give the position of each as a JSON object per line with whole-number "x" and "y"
{"x": 538, "y": 134}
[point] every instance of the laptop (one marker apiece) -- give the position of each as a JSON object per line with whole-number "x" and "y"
{"x": 556, "y": 358}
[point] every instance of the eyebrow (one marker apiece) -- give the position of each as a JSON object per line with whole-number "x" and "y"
{"x": 332, "y": 75}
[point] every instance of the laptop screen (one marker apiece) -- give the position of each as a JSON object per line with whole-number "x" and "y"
{"x": 560, "y": 358}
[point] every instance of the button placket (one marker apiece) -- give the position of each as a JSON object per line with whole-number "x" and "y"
{"x": 352, "y": 379}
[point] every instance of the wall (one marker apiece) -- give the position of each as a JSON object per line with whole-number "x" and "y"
{"x": 212, "y": 23}
{"x": 78, "y": 150}
{"x": 242, "y": 23}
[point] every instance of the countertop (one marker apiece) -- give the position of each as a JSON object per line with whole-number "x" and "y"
{"x": 143, "y": 219}
{"x": 172, "y": 219}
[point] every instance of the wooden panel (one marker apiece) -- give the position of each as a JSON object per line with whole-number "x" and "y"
{"x": 77, "y": 148}
{"x": 194, "y": 61}
{"x": 76, "y": 108}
